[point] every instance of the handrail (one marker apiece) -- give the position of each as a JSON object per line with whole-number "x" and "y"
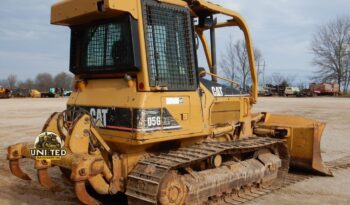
{"x": 238, "y": 20}
{"x": 225, "y": 79}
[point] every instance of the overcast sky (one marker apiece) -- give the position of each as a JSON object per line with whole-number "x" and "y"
{"x": 281, "y": 29}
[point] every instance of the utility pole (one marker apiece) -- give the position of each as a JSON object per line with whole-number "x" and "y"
{"x": 264, "y": 66}
{"x": 258, "y": 75}
{"x": 263, "y": 73}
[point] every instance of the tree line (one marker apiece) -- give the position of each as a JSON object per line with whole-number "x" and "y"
{"x": 42, "y": 82}
{"x": 330, "y": 46}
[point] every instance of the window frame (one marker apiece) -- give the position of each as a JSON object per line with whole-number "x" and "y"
{"x": 75, "y": 65}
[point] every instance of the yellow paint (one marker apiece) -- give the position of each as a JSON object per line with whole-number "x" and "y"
{"x": 201, "y": 115}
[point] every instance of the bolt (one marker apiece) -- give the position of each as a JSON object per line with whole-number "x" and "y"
{"x": 87, "y": 120}
{"x": 44, "y": 162}
{"x": 82, "y": 172}
{"x": 15, "y": 153}
{"x": 86, "y": 133}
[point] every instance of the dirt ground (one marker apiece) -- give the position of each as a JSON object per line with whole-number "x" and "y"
{"x": 22, "y": 119}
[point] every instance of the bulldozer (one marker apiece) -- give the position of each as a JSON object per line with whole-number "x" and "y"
{"x": 146, "y": 121}
{"x": 5, "y": 92}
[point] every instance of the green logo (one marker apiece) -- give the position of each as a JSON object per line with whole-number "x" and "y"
{"x": 48, "y": 146}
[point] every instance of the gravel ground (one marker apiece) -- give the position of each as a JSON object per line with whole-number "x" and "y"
{"x": 335, "y": 144}
{"x": 21, "y": 119}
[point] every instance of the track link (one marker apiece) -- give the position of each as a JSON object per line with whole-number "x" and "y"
{"x": 249, "y": 194}
{"x": 145, "y": 179}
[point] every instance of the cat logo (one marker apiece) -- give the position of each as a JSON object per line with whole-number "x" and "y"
{"x": 217, "y": 91}
{"x": 100, "y": 116}
{"x": 48, "y": 146}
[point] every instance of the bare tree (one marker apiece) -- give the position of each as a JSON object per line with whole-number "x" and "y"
{"x": 276, "y": 78}
{"x": 235, "y": 62}
{"x": 347, "y": 65}
{"x": 12, "y": 81}
{"x": 44, "y": 81}
{"x": 63, "y": 80}
{"x": 243, "y": 62}
{"x": 280, "y": 79}
{"x": 260, "y": 64}
{"x": 3, "y": 83}
{"x": 331, "y": 48}
{"x": 228, "y": 62}
{"x": 28, "y": 84}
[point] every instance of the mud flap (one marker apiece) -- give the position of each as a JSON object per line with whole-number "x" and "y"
{"x": 304, "y": 140}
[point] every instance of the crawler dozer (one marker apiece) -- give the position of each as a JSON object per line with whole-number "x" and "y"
{"x": 146, "y": 121}
{"x": 5, "y": 92}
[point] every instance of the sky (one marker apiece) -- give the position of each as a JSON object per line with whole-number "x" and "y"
{"x": 281, "y": 29}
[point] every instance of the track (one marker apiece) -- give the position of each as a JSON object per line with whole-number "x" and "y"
{"x": 250, "y": 193}
{"x": 143, "y": 184}
{"x": 146, "y": 178}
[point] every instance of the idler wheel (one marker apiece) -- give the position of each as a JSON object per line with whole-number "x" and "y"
{"x": 172, "y": 190}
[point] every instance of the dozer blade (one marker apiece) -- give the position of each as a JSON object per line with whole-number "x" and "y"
{"x": 304, "y": 141}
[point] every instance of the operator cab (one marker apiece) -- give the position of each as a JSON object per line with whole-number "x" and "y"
{"x": 154, "y": 46}
{"x": 111, "y": 48}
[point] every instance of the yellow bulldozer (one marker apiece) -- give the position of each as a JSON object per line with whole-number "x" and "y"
{"x": 146, "y": 121}
{"x": 5, "y": 92}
